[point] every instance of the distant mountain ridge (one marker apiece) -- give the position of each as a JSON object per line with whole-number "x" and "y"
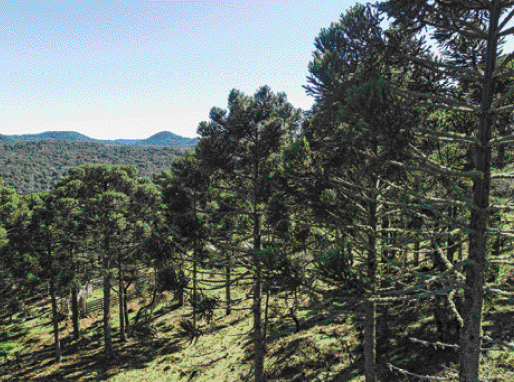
{"x": 162, "y": 139}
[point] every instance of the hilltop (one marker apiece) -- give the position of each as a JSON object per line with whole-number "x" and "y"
{"x": 162, "y": 139}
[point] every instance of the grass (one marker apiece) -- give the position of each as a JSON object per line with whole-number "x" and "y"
{"x": 327, "y": 348}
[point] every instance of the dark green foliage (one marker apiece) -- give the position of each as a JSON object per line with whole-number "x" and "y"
{"x": 204, "y": 306}
{"x": 168, "y": 278}
{"x": 188, "y": 330}
{"x": 335, "y": 265}
{"x": 36, "y": 166}
{"x": 143, "y": 330}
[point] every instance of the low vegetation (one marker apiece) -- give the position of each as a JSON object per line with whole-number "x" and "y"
{"x": 327, "y": 348}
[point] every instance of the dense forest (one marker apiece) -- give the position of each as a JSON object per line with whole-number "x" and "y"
{"x": 388, "y": 204}
{"x": 35, "y": 166}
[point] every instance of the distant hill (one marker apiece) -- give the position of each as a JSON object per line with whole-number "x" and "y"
{"x": 35, "y": 165}
{"x": 162, "y": 139}
{"x": 165, "y": 138}
{"x": 68, "y": 136}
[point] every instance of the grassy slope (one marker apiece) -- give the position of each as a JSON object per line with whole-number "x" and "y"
{"x": 326, "y": 349}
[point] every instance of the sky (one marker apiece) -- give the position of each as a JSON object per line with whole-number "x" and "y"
{"x": 128, "y": 69}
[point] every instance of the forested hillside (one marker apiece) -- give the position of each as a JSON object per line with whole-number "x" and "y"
{"x": 368, "y": 239}
{"x": 162, "y": 139}
{"x": 35, "y": 166}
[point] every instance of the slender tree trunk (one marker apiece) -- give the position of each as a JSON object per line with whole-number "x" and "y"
{"x": 75, "y": 313}
{"x": 55, "y": 321}
{"x": 266, "y": 310}
{"x": 125, "y": 310}
{"x": 370, "y": 306}
{"x": 121, "y": 302}
{"x": 451, "y": 238}
{"x": 227, "y": 285}
{"x": 417, "y": 224}
{"x": 385, "y": 253}
{"x": 257, "y": 312}
{"x": 260, "y": 346}
{"x": 107, "y": 301}
{"x": 471, "y": 339}
{"x": 195, "y": 280}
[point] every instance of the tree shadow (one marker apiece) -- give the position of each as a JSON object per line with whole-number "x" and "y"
{"x": 498, "y": 324}
{"x": 85, "y": 360}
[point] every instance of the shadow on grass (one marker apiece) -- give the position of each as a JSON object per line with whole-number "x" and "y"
{"x": 396, "y": 324}
{"x": 500, "y": 323}
{"x": 84, "y": 360}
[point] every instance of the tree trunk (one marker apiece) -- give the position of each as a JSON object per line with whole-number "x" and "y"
{"x": 227, "y": 285}
{"x": 75, "y": 313}
{"x": 107, "y": 306}
{"x": 195, "y": 280}
{"x": 474, "y": 289}
{"x": 55, "y": 321}
{"x": 121, "y": 302}
{"x": 125, "y": 310}
{"x": 451, "y": 243}
{"x": 258, "y": 335}
{"x": 370, "y": 306}
{"x": 260, "y": 346}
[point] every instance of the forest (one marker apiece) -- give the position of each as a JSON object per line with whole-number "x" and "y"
{"x": 35, "y": 166}
{"x": 366, "y": 239}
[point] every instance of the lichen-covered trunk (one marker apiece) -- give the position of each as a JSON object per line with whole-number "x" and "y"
{"x": 474, "y": 289}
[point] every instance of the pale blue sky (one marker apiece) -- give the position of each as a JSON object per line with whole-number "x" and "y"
{"x": 129, "y": 69}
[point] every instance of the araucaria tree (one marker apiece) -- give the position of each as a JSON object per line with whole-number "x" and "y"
{"x": 116, "y": 211}
{"x": 469, "y": 35}
{"x": 236, "y": 146}
{"x": 358, "y": 127}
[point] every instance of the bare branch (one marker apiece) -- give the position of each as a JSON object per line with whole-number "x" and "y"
{"x": 506, "y": 20}
{"x": 502, "y": 262}
{"x": 422, "y": 377}
{"x": 504, "y": 109}
{"x": 453, "y": 307}
{"x": 439, "y": 170}
{"x": 498, "y": 342}
{"x": 503, "y": 208}
{"x": 500, "y": 292}
{"x": 453, "y": 136}
{"x": 501, "y": 140}
{"x": 452, "y": 102}
{"x": 434, "y": 344}
{"x": 506, "y": 32}
{"x": 443, "y": 68}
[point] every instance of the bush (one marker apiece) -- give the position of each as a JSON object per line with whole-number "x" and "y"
{"x": 169, "y": 279}
{"x": 335, "y": 266}
{"x": 187, "y": 329}
{"x": 204, "y": 306}
{"x": 142, "y": 330}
